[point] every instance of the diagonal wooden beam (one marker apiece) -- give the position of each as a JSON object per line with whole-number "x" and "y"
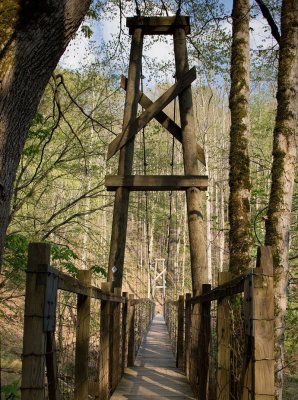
{"x": 135, "y": 126}
{"x": 163, "y": 119}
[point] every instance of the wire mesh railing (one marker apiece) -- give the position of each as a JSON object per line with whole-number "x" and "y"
{"x": 171, "y": 319}
{"x": 78, "y": 338}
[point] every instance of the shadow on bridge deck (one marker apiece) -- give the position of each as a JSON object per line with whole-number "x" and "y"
{"x": 155, "y": 374}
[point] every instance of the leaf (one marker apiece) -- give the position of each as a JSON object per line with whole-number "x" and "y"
{"x": 99, "y": 270}
{"x": 87, "y": 31}
{"x": 92, "y": 14}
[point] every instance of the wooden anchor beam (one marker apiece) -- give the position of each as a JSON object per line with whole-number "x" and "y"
{"x": 130, "y": 130}
{"x": 156, "y": 182}
{"x": 158, "y": 25}
{"x": 163, "y": 119}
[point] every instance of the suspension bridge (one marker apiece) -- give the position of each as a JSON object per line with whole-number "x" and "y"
{"x": 213, "y": 343}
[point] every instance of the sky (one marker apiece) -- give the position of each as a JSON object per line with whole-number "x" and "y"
{"x": 81, "y": 49}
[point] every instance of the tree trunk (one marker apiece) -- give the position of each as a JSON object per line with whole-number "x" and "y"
{"x": 239, "y": 179}
{"x": 283, "y": 172}
{"x": 34, "y": 35}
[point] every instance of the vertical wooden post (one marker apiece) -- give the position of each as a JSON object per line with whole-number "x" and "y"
{"x": 104, "y": 393}
{"x": 187, "y": 332}
{"x": 82, "y": 339}
{"x": 204, "y": 347}
{"x": 51, "y": 363}
{"x": 246, "y": 378}
{"x": 180, "y": 334}
{"x": 124, "y": 333}
{"x": 193, "y": 196}
{"x": 115, "y": 349}
{"x": 189, "y": 144}
{"x": 119, "y": 226}
{"x": 196, "y": 322}
{"x": 34, "y": 341}
{"x": 223, "y": 343}
{"x": 263, "y": 327}
{"x": 131, "y": 331}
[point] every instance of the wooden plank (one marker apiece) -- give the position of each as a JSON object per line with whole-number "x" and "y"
{"x": 232, "y": 287}
{"x": 223, "y": 342}
{"x": 33, "y": 358}
{"x": 158, "y": 25}
{"x": 164, "y": 120}
{"x": 82, "y": 339}
{"x": 120, "y": 213}
{"x": 154, "y": 375}
{"x": 180, "y": 334}
{"x": 133, "y": 127}
{"x": 156, "y": 182}
{"x": 263, "y": 327}
{"x": 104, "y": 390}
{"x": 73, "y": 285}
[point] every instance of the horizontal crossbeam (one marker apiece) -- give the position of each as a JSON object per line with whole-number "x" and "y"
{"x": 133, "y": 128}
{"x": 158, "y": 25}
{"x": 163, "y": 119}
{"x": 155, "y": 182}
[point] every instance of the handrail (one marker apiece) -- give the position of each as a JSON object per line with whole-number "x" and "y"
{"x": 71, "y": 284}
{"x": 230, "y": 288}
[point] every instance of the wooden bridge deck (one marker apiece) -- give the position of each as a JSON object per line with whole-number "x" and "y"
{"x": 155, "y": 375}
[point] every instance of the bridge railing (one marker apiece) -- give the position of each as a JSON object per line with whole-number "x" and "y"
{"x": 171, "y": 319}
{"x": 225, "y": 336}
{"x": 78, "y": 338}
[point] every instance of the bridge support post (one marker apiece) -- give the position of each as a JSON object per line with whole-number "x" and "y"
{"x": 104, "y": 390}
{"x": 82, "y": 339}
{"x": 131, "y": 332}
{"x": 187, "y": 318}
{"x": 204, "y": 347}
{"x": 259, "y": 374}
{"x": 124, "y": 333}
{"x": 115, "y": 343}
{"x": 39, "y": 325}
{"x": 223, "y": 342}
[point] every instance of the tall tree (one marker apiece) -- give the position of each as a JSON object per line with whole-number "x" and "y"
{"x": 239, "y": 179}
{"x": 283, "y": 172}
{"x": 34, "y": 35}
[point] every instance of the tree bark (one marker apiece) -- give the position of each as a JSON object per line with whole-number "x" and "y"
{"x": 239, "y": 179}
{"x": 283, "y": 173}
{"x": 34, "y": 35}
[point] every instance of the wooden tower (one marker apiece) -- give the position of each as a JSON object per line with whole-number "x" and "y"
{"x": 191, "y": 182}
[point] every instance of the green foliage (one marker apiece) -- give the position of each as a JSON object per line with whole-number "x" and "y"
{"x": 65, "y": 257}
{"x": 97, "y": 269}
{"x": 87, "y": 31}
{"x": 11, "y": 391}
{"x": 15, "y": 258}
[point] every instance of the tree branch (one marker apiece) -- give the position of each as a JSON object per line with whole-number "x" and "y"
{"x": 268, "y": 17}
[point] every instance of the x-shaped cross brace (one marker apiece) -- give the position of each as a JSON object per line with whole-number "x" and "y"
{"x": 154, "y": 110}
